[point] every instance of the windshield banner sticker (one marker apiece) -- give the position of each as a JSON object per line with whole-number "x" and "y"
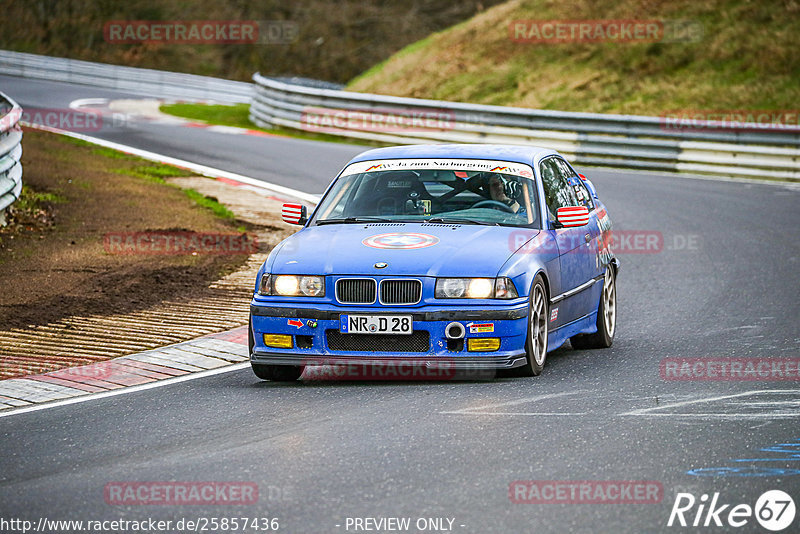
{"x": 460, "y": 165}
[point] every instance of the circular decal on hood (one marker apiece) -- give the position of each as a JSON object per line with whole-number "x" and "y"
{"x": 401, "y": 241}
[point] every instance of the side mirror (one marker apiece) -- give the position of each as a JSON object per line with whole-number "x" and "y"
{"x": 572, "y": 216}
{"x": 294, "y": 214}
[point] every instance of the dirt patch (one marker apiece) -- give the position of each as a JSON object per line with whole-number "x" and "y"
{"x": 66, "y": 301}
{"x": 53, "y": 262}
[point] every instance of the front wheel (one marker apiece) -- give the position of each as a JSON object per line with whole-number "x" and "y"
{"x": 606, "y": 317}
{"x": 536, "y": 342}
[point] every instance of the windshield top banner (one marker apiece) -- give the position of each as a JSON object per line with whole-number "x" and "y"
{"x": 464, "y": 165}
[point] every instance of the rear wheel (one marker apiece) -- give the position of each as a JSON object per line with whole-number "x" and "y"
{"x": 536, "y": 343}
{"x": 606, "y": 317}
{"x": 276, "y": 373}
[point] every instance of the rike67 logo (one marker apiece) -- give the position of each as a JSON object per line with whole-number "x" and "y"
{"x": 774, "y": 510}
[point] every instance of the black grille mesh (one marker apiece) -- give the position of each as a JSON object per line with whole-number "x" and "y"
{"x": 418, "y": 341}
{"x": 401, "y": 291}
{"x": 356, "y": 290}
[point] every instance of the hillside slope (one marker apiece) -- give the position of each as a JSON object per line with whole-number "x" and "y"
{"x": 746, "y": 59}
{"x": 335, "y": 39}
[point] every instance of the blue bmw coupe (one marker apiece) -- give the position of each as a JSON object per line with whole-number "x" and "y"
{"x": 457, "y": 256}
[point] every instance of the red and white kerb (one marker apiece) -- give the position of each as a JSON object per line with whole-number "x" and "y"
{"x": 573, "y": 215}
{"x": 292, "y": 213}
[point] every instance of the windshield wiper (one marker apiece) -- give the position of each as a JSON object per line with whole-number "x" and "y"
{"x": 354, "y": 220}
{"x": 455, "y": 220}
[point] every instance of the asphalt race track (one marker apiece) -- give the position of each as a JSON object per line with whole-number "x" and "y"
{"x": 724, "y": 283}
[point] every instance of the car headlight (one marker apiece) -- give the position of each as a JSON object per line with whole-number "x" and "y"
{"x": 290, "y": 285}
{"x": 475, "y": 288}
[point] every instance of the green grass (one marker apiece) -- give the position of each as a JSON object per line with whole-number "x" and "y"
{"x": 111, "y": 153}
{"x": 746, "y": 59}
{"x": 210, "y": 203}
{"x": 157, "y": 172}
{"x": 30, "y": 200}
{"x": 153, "y": 172}
{"x": 234, "y": 115}
{"x": 76, "y": 142}
{"x": 150, "y": 171}
{"x": 238, "y": 115}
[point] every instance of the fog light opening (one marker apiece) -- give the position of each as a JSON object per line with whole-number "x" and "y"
{"x": 483, "y": 344}
{"x": 278, "y": 341}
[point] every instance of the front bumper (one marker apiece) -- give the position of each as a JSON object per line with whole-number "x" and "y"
{"x": 316, "y": 338}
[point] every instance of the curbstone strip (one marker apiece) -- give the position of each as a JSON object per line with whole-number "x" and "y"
{"x": 209, "y": 352}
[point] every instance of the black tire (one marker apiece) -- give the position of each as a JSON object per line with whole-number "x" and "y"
{"x": 536, "y": 340}
{"x": 276, "y": 373}
{"x": 606, "y": 317}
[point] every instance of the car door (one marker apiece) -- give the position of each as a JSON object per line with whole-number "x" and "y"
{"x": 577, "y": 247}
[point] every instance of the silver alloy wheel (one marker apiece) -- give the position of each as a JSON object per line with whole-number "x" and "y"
{"x": 538, "y": 325}
{"x": 610, "y": 301}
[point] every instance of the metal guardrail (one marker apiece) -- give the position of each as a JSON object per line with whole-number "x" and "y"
{"x": 155, "y": 83}
{"x": 10, "y": 154}
{"x": 622, "y": 141}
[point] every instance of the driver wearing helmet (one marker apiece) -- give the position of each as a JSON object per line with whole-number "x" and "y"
{"x": 499, "y": 190}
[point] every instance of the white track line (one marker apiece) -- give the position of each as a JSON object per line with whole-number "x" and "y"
{"x": 476, "y": 410}
{"x": 188, "y": 165}
{"x": 125, "y": 390}
{"x": 87, "y": 102}
{"x": 648, "y": 411}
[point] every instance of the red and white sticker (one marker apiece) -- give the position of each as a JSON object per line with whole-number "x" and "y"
{"x": 401, "y": 241}
{"x": 553, "y": 314}
{"x": 573, "y": 215}
{"x": 480, "y": 328}
{"x": 291, "y": 213}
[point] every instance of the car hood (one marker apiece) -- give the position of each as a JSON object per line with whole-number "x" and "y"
{"x": 441, "y": 250}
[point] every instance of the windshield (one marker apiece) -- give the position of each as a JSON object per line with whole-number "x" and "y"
{"x": 444, "y": 195}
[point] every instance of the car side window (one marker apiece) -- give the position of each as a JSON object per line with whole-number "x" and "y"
{"x": 571, "y": 177}
{"x": 557, "y": 192}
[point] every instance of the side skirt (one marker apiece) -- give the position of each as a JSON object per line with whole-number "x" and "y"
{"x": 585, "y": 325}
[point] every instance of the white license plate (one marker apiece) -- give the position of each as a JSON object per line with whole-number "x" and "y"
{"x": 376, "y": 324}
